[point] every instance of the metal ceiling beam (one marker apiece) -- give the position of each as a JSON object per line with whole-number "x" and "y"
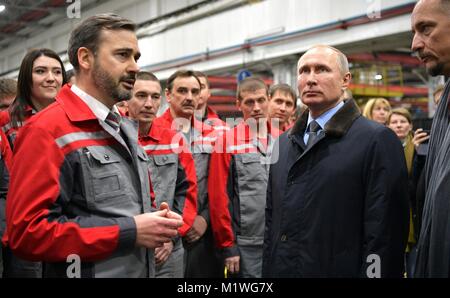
{"x": 53, "y": 10}
{"x": 33, "y": 24}
{"x": 15, "y": 35}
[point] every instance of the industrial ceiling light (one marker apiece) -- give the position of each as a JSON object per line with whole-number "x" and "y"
{"x": 2, "y": 8}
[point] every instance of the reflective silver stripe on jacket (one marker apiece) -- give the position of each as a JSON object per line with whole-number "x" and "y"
{"x": 240, "y": 147}
{"x": 80, "y": 136}
{"x": 161, "y": 147}
{"x": 205, "y": 139}
{"x": 221, "y": 128}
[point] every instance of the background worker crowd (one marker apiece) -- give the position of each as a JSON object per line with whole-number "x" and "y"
{"x": 182, "y": 93}
{"x": 171, "y": 167}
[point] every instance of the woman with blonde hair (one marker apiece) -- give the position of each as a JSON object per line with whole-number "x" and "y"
{"x": 377, "y": 109}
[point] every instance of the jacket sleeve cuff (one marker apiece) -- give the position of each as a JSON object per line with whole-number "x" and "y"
{"x": 232, "y": 251}
{"x": 127, "y": 234}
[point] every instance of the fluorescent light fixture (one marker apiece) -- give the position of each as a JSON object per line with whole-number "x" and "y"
{"x": 2, "y": 8}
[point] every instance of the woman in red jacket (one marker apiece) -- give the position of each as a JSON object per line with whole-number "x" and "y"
{"x": 41, "y": 76}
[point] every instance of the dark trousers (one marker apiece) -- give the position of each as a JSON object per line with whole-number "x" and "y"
{"x": 410, "y": 262}
{"x": 15, "y": 267}
{"x": 202, "y": 259}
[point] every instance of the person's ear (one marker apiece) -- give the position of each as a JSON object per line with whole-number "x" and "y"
{"x": 85, "y": 58}
{"x": 346, "y": 80}
{"x": 238, "y": 104}
{"x": 168, "y": 95}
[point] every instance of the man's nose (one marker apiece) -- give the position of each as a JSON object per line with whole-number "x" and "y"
{"x": 189, "y": 95}
{"x": 133, "y": 66}
{"x": 148, "y": 102}
{"x": 417, "y": 43}
{"x": 311, "y": 78}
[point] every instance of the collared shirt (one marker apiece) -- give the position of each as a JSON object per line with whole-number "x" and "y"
{"x": 97, "y": 107}
{"x": 321, "y": 120}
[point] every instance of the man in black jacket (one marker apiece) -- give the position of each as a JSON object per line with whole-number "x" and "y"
{"x": 430, "y": 24}
{"x": 337, "y": 202}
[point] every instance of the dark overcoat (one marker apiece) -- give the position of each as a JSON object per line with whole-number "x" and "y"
{"x": 339, "y": 208}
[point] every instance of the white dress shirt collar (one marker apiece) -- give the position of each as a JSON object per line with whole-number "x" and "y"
{"x": 97, "y": 107}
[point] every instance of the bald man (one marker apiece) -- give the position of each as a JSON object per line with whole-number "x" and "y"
{"x": 337, "y": 201}
{"x": 430, "y": 22}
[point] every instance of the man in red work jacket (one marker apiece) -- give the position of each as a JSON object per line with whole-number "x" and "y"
{"x": 171, "y": 166}
{"x": 282, "y": 105}
{"x": 182, "y": 93}
{"x": 238, "y": 177}
{"x": 79, "y": 196}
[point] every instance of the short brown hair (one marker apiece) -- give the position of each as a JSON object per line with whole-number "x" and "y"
{"x": 146, "y": 76}
{"x": 200, "y": 74}
{"x": 250, "y": 84}
{"x": 87, "y": 33}
{"x": 181, "y": 74}
{"x": 285, "y": 89}
{"x": 8, "y": 88}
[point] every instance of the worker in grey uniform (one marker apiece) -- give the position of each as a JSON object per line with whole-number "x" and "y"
{"x": 182, "y": 93}
{"x": 171, "y": 166}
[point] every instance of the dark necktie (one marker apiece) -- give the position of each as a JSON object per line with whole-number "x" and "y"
{"x": 113, "y": 119}
{"x": 314, "y": 128}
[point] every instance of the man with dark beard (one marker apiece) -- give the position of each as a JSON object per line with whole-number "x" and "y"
{"x": 430, "y": 24}
{"x": 84, "y": 208}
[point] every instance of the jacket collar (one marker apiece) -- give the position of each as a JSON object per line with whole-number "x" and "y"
{"x": 29, "y": 111}
{"x": 271, "y": 131}
{"x": 75, "y": 108}
{"x": 210, "y": 113}
{"x": 155, "y": 133}
{"x": 337, "y": 126}
{"x": 196, "y": 124}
